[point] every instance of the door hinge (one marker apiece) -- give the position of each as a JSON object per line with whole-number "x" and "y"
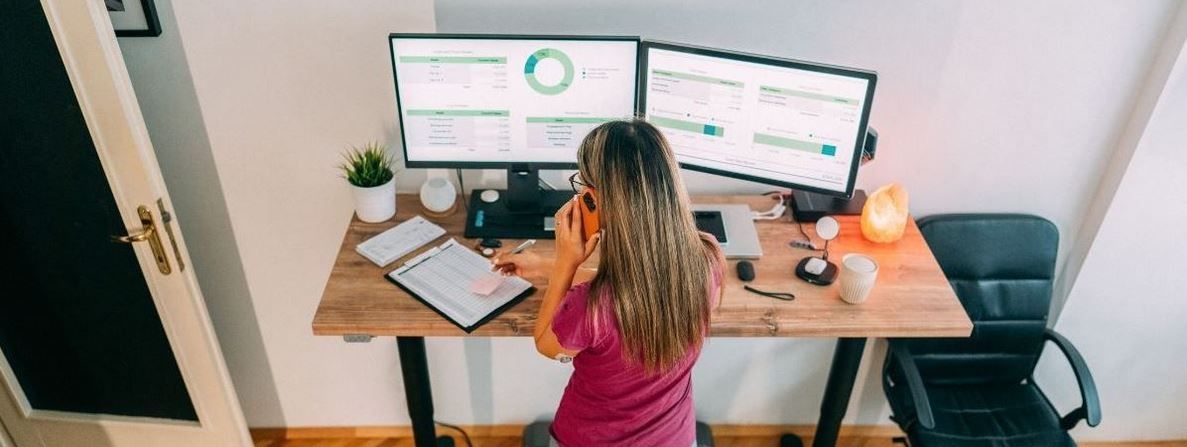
{"x": 167, "y": 222}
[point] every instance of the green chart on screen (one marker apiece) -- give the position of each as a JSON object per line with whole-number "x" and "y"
{"x": 509, "y": 100}
{"x": 544, "y": 54}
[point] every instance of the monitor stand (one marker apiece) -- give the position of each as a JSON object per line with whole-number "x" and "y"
{"x": 810, "y": 206}
{"x": 523, "y": 210}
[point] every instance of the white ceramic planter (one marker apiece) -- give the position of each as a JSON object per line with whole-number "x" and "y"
{"x": 375, "y": 204}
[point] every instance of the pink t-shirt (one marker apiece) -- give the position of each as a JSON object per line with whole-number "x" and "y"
{"x": 610, "y": 402}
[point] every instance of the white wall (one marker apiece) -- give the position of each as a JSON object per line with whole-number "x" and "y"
{"x": 5, "y": 440}
{"x": 274, "y": 90}
{"x": 1010, "y": 106}
{"x": 161, "y": 77}
{"x": 980, "y": 106}
{"x": 1126, "y": 311}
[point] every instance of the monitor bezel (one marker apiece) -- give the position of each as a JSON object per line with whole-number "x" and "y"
{"x": 411, "y": 164}
{"x": 872, "y": 77}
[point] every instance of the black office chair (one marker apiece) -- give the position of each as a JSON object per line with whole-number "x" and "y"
{"x": 980, "y": 391}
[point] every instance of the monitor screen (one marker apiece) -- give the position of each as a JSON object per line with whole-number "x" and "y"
{"x": 485, "y": 101}
{"x": 770, "y": 120}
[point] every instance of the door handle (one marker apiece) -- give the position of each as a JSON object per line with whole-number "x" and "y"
{"x": 148, "y": 233}
{"x": 135, "y": 237}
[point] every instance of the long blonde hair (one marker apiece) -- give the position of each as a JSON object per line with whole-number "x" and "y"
{"x": 654, "y": 261}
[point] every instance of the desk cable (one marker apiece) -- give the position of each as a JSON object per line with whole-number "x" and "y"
{"x": 462, "y": 186}
{"x": 777, "y": 211}
{"x": 772, "y": 214}
{"x": 458, "y": 429}
{"x": 806, "y": 243}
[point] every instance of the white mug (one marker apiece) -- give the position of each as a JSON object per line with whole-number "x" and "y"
{"x": 858, "y": 274}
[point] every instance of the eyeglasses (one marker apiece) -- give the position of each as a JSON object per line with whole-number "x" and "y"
{"x": 577, "y": 184}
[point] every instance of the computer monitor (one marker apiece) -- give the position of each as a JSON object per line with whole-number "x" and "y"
{"x": 783, "y": 122}
{"x": 521, "y": 103}
{"x": 491, "y": 101}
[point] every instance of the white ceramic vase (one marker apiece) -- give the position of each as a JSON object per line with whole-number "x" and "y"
{"x": 375, "y": 204}
{"x": 437, "y": 195}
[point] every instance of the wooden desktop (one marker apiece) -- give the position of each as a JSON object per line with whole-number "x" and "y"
{"x": 912, "y": 298}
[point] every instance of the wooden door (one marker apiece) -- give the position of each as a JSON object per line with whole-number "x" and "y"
{"x": 102, "y": 342}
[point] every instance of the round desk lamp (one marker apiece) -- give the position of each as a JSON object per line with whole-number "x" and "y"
{"x": 819, "y": 270}
{"x": 439, "y": 197}
{"x": 884, "y": 216}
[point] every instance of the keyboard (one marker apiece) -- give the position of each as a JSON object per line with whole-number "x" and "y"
{"x": 388, "y": 246}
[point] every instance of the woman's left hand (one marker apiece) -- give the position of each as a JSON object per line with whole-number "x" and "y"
{"x": 571, "y": 249}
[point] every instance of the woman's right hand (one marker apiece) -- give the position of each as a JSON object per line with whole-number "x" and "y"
{"x": 571, "y": 249}
{"x": 526, "y": 265}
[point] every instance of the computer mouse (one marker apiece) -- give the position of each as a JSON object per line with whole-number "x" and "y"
{"x": 489, "y": 196}
{"x": 745, "y": 270}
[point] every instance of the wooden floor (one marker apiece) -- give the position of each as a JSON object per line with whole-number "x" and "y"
{"x": 514, "y": 441}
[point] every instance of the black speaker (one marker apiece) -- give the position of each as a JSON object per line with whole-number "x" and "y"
{"x": 809, "y": 206}
{"x": 871, "y": 145}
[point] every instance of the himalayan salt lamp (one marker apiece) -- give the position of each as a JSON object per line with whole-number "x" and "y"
{"x": 884, "y": 217}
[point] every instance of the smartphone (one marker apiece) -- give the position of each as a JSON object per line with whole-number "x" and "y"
{"x": 591, "y": 222}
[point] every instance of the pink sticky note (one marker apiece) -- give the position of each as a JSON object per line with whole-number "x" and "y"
{"x": 486, "y": 285}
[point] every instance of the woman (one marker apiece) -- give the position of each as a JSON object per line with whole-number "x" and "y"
{"x": 634, "y": 327}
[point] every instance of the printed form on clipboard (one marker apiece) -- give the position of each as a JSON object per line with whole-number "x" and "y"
{"x": 447, "y": 278}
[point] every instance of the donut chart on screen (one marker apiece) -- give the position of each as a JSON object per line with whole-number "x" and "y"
{"x": 497, "y": 100}
{"x": 529, "y": 71}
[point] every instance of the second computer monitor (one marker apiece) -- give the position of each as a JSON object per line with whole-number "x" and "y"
{"x": 491, "y": 101}
{"x": 777, "y": 121}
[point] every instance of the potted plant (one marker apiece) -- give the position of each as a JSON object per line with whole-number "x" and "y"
{"x": 368, "y": 169}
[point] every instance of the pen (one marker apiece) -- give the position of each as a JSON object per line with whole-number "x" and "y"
{"x": 519, "y": 249}
{"x": 524, "y": 246}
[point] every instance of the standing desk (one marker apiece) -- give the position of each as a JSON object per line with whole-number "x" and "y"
{"x": 912, "y": 298}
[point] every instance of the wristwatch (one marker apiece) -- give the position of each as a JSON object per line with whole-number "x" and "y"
{"x": 564, "y": 358}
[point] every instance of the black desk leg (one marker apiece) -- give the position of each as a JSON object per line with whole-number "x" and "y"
{"x": 414, "y": 364}
{"x": 841, "y": 375}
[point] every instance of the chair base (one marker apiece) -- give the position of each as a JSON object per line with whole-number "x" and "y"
{"x": 536, "y": 434}
{"x": 790, "y": 441}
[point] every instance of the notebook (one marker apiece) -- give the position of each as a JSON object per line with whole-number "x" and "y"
{"x": 442, "y": 278}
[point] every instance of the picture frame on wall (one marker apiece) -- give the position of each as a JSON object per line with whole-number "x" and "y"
{"x": 134, "y": 18}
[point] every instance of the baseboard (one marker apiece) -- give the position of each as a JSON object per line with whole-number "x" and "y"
{"x": 511, "y": 430}
{"x": 878, "y": 431}
{"x": 396, "y": 431}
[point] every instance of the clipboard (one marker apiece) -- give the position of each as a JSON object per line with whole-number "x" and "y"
{"x": 440, "y": 278}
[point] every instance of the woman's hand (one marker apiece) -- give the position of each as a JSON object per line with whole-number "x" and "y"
{"x": 571, "y": 250}
{"x": 526, "y": 264}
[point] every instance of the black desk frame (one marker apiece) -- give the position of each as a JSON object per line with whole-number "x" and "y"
{"x": 414, "y": 365}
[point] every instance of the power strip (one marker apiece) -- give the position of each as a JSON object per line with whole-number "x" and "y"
{"x": 806, "y": 245}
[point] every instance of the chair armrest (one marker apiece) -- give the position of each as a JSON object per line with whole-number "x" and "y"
{"x": 902, "y": 355}
{"x": 1090, "y": 408}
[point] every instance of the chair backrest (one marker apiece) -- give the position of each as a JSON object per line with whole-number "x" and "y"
{"x": 1001, "y": 267}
